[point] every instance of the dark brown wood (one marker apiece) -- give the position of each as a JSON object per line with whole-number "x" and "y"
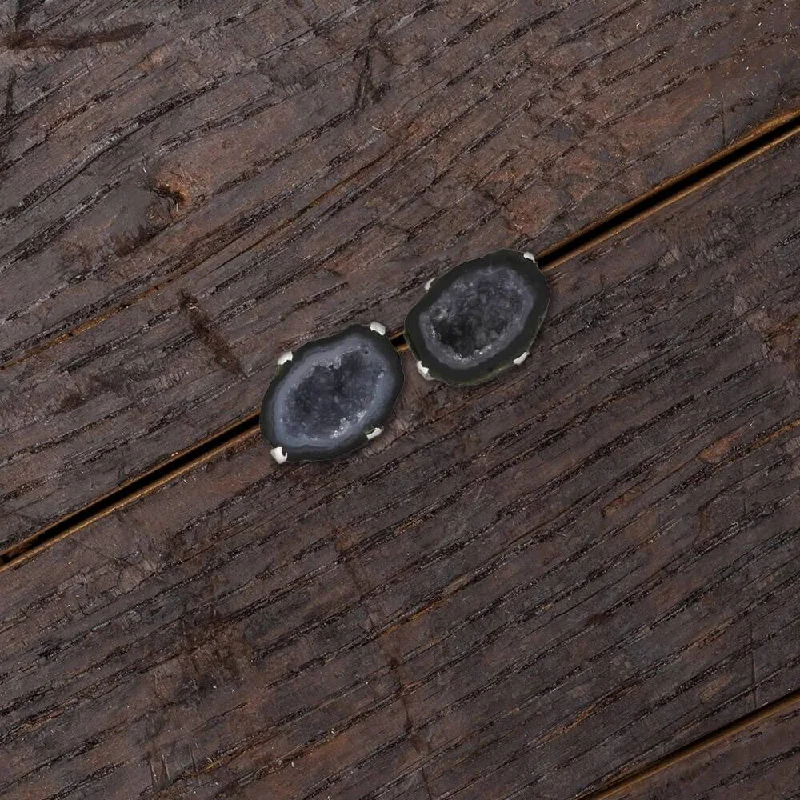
{"x": 526, "y": 589}
{"x": 291, "y": 167}
{"x": 759, "y": 762}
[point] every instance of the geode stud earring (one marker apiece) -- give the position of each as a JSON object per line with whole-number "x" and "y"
{"x": 332, "y": 395}
{"x": 479, "y": 318}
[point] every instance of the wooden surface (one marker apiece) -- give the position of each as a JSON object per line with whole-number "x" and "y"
{"x": 190, "y": 188}
{"x": 578, "y": 582}
{"x": 761, "y": 761}
{"x": 527, "y": 589}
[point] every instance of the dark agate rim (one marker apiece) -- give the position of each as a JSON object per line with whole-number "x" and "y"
{"x": 516, "y": 349}
{"x": 381, "y": 343}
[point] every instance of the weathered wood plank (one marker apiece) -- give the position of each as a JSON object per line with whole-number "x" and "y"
{"x": 307, "y": 167}
{"x": 524, "y": 589}
{"x": 761, "y": 761}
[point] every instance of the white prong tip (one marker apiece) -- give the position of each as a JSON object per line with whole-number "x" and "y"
{"x": 284, "y": 358}
{"x": 530, "y": 256}
{"x": 279, "y": 454}
{"x": 375, "y": 432}
{"x": 519, "y": 359}
{"x": 424, "y": 371}
{"x": 428, "y": 284}
{"x": 378, "y": 328}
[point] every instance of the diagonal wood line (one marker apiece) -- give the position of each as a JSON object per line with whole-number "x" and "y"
{"x": 240, "y": 432}
{"x": 788, "y": 703}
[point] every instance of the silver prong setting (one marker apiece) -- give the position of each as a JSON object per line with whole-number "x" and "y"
{"x": 374, "y": 433}
{"x": 519, "y": 359}
{"x": 279, "y": 454}
{"x": 424, "y": 371}
{"x": 378, "y": 328}
{"x": 285, "y": 358}
{"x": 304, "y": 419}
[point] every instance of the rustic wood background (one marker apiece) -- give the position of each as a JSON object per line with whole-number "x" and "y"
{"x": 580, "y": 580}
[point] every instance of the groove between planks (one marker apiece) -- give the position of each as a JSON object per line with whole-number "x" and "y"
{"x": 789, "y": 702}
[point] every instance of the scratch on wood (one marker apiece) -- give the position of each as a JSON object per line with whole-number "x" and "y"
{"x": 6, "y": 127}
{"x": 201, "y": 326}
{"x": 153, "y": 779}
{"x": 425, "y": 782}
{"x": 25, "y": 39}
{"x": 753, "y": 684}
{"x": 194, "y": 766}
{"x": 366, "y": 92}
{"x": 8, "y": 107}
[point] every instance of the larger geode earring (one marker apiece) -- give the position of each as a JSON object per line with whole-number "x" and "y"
{"x": 332, "y": 395}
{"x": 479, "y": 318}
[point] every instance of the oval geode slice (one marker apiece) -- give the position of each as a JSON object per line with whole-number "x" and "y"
{"x": 478, "y": 318}
{"x": 332, "y": 395}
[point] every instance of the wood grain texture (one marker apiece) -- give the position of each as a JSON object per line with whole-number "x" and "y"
{"x": 760, "y": 762}
{"x": 525, "y": 589}
{"x": 232, "y": 180}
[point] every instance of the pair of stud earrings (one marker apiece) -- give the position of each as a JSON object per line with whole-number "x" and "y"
{"x": 335, "y": 394}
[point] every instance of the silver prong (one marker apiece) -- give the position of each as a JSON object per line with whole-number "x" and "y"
{"x": 284, "y": 358}
{"x": 378, "y": 328}
{"x": 530, "y": 256}
{"x": 428, "y": 284}
{"x": 424, "y": 371}
{"x": 279, "y": 454}
{"x": 374, "y": 433}
{"x": 519, "y": 359}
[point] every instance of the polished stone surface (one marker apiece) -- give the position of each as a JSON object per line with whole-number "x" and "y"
{"x": 479, "y": 318}
{"x": 331, "y": 395}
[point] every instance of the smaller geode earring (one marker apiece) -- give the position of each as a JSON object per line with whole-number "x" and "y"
{"x": 479, "y": 318}
{"x": 332, "y": 395}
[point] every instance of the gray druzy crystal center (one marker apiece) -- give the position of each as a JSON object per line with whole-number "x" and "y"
{"x": 330, "y": 400}
{"x": 332, "y": 395}
{"x": 478, "y": 316}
